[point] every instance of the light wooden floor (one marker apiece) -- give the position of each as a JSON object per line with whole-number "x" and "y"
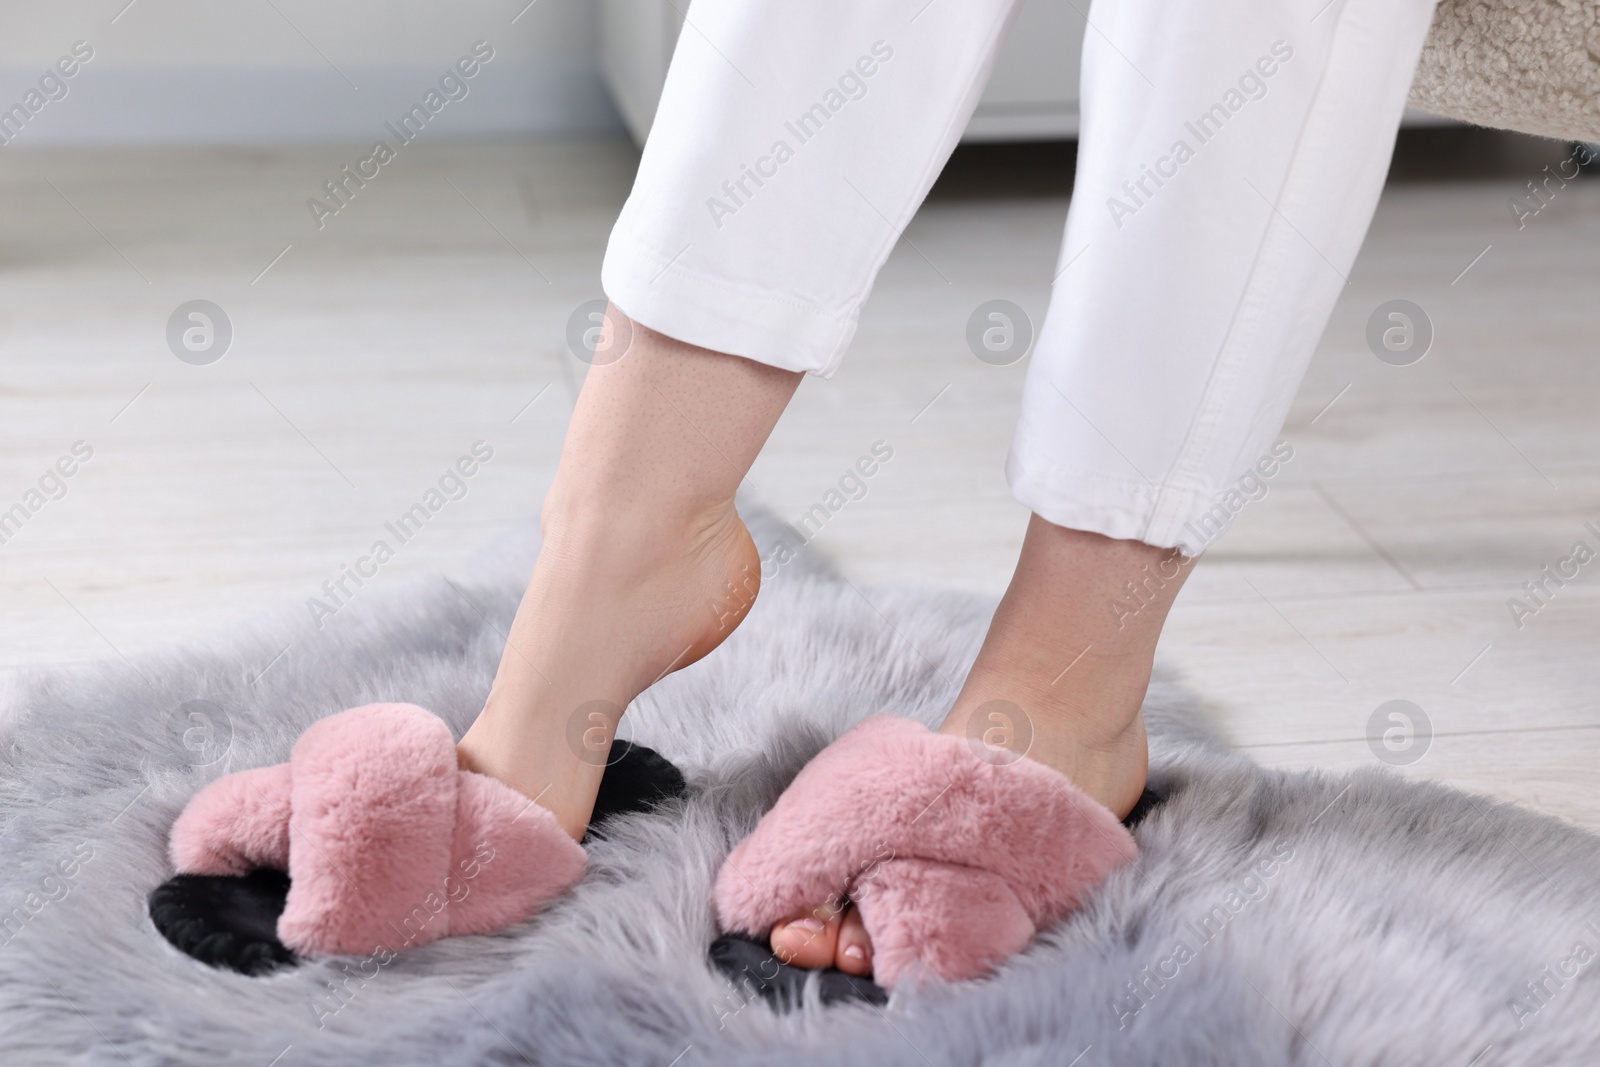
{"x": 430, "y": 313}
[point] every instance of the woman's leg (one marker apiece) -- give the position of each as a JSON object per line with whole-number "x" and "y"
{"x": 791, "y": 144}
{"x": 1231, "y": 156}
{"x": 645, "y": 565}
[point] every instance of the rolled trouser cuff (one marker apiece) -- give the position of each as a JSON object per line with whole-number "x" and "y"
{"x": 715, "y": 313}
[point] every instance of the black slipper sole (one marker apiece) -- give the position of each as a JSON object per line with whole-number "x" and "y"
{"x": 232, "y": 921}
{"x": 750, "y": 965}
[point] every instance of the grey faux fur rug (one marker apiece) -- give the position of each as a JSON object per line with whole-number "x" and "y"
{"x": 1272, "y": 918}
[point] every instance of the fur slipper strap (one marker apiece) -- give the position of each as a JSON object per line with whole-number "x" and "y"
{"x": 387, "y": 843}
{"x": 953, "y": 860}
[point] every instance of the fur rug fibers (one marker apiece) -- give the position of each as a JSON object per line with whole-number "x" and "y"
{"x": 1272, "y": 918}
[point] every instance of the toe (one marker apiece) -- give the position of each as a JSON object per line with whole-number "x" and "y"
{"x": 807, "y": 940}
{"x": 854, "y": 954}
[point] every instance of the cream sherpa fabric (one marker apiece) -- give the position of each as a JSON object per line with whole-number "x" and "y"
{"x": 1527, "y": 65}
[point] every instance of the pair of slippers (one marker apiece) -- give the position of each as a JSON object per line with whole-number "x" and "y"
{"x": 371, "y": 839}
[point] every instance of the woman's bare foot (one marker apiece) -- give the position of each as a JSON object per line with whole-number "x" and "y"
{"x": 1060, "y": 678}
{"x": 645, "y": 566}
{"x": 607, "y": 613}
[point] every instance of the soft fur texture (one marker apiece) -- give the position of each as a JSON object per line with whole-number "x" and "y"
{"x": 954, "y": 860}
{"x": 235, "y": 824}
{"x": 1351, "y": 919}
{"x": 1528, "y": 65}
{"x": 387, "y": 843}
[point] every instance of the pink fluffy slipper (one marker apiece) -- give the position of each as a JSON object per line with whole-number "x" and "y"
{"x": 387, "y": 843}
{"x": 953, "y": 861}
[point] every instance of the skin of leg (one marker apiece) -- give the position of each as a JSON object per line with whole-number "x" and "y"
{"x": 1060, "y": 678}
{"x": 645, "y": 566}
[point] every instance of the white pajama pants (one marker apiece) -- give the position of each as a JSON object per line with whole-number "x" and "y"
{"x": 1231, "y": 155}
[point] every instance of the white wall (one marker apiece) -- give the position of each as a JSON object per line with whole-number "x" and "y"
{"x": 262, "y": 71}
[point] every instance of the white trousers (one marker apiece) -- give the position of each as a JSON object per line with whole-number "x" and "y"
{"x": 1230, "y": 158}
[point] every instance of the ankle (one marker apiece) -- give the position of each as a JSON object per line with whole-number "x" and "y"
{"x": 1101, "y": 687}
{"x": 1085, "y": 723}
{"x": 1097, "y": 705}
{"x": 627, "y": 528}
